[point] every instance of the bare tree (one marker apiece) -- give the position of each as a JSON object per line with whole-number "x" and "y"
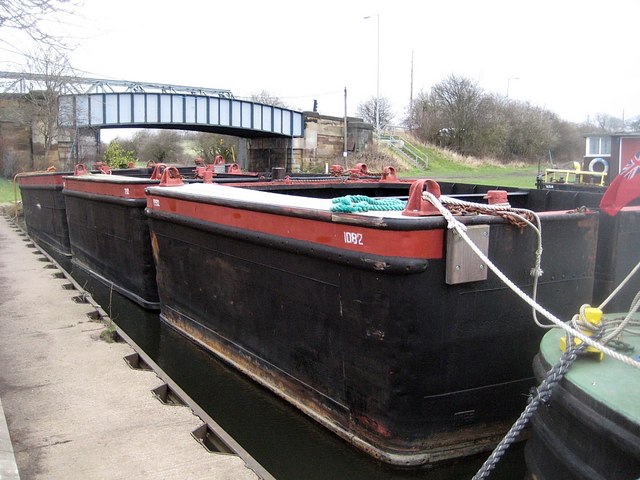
{"x": 457, "y": 114}
{"x": 42, "y": 99}
{"x": 163, "y": 146}
{"x": 426, "y": 120}
{"x": 210, "y": 145}
{"x": 367, "y": 111}
{"x": 31, "y": 17}
{"x": 268, "y": 99}
{"x": 634, "y": 124}
{"x": 458, "y": 98}
{"x": 608, "y": 123}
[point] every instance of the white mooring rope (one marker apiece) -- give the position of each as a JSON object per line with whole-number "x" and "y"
{"x": 544, "y": 390}
{"x": 519, "y": 214}
{"x": 453, "y": 223}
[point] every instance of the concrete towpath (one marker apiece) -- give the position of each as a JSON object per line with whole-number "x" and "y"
{"x": 73, "y": 407}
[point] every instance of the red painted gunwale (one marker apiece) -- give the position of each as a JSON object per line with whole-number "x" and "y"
{"x": 416, "y": 244}
{"x": 114, "y": 188}
{"x": 41, "y": 179}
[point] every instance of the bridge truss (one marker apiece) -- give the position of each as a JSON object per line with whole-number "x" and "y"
{"x": 21, "y": 82}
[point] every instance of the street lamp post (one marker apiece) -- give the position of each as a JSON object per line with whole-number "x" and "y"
{"x": 377, "y": 73}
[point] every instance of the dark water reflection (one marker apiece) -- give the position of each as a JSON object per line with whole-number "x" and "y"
{"x": 286, "y": 442}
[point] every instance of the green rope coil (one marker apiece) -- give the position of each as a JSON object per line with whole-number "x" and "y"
{"x": 362, "y": 203}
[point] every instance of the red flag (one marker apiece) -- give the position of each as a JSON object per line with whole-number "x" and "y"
{"x": 624, "y": 188}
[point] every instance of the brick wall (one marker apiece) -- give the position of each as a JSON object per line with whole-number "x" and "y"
{"x": 323, "y": 143}
{"x": 22, "y": 146}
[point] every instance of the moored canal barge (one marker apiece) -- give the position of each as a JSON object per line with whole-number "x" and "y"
{"x": 44, "y": 206}
{"x": 45, "y": 213}
{"x": 378, "y": 325}
{"x": 109, "y": 233}
{"x": 590, "y": 427}
{"x": 108, "y": 230}
{"x": 618, "y": 247}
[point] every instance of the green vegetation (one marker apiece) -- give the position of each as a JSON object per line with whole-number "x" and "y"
{"x": 116, "y": 156}
{"x": 209, "y": 146}
{"x": 110, "y": 333}
{"x": 448, "y": 166}
{"x": 6, "y": 191}
{"x": 506, "y": 176}
{"x": 458, "y": 114}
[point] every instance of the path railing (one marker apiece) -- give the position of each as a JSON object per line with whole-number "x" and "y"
{"x": 405, "y": 149}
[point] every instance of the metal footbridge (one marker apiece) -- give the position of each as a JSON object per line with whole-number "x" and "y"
{"x": 102, "y": 103}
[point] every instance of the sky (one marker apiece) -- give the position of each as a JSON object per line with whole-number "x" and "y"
{"x": 575, "y": 58}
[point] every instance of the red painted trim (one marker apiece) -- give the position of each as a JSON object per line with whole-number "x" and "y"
{"x": 41, "y": 179}
{"x": 110, "y": 189}
{"x": 423, "y": 244}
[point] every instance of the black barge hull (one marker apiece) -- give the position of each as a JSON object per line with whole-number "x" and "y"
{"x": 618, "y": 253}
{"x": 45, "y": 215}
{"x": 109, "y": 234}
{"x": 372, "y": 343}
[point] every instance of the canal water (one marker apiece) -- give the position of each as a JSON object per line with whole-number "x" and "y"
{"x": 284, "y": 441}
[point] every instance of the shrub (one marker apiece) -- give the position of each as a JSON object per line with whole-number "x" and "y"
{"x": 117, "y": 157}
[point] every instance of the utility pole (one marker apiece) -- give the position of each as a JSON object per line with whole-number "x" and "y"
{"x": 344, "y": 152}
{"x": 411, "y": 98}
{"x": 378, "y": 81}
{"x": 377, "y": 73}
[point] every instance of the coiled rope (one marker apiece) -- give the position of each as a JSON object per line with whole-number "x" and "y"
{"x": 520, "y": 217}
{"x": 580, "y": 321}
{"x": 362, "y": 203}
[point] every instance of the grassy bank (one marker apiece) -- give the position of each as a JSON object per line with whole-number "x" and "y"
{"x": 507, "y": 176}
{"x": 6, "y": 191}
{"x": 448, "y": 166}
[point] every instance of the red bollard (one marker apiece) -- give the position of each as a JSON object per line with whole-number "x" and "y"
{"x": 389, "y": 174}
{"x": 171, "y": 177}
{"x": 158, "y": 169}
{"x": 80, "y": 169}
{"x": 417, "y": 206}
{"x": 494, "y": 197}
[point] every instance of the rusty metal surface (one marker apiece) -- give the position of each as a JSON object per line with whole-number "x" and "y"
{"x": 462, "y": 442}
